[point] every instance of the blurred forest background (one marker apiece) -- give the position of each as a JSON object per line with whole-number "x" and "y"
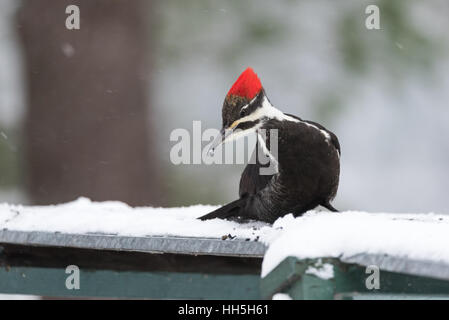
{"x": 89, "y": 112}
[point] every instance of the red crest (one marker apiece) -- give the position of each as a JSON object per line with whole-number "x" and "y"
{"x": 247, "y": 85}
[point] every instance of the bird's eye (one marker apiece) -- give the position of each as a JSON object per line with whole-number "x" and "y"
{"x": 242, "y": 112}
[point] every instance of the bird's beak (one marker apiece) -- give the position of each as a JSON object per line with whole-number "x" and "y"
{"x": 224, "y": 133}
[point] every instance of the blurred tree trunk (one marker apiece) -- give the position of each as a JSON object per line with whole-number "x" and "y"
{"x": 87, "y": 124}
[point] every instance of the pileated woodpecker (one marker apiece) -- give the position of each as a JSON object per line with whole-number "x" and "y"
{"x": 307, "y": 161}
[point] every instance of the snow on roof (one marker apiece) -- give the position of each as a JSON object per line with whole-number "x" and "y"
{"x": 112, "y": 217}
{"x": 422, "y": 237}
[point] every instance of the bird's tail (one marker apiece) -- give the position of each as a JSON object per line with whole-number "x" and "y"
{"x": 329, "y": 207}
{"x": 229, "y": 210}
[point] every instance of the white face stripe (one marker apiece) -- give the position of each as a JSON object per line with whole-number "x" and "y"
{"x": 267, "y": 110}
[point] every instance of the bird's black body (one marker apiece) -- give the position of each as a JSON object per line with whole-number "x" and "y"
{"x": 307, "y": 175}
{"x": 252, "y": 182}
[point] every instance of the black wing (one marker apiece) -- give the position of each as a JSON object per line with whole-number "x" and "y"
{"x": 334, "y": 139}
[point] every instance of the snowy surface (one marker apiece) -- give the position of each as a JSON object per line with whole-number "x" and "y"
{"x": 314, "y": 235}
{"x": 281, "y": 296}
{"x": 320, "y": 270}
{"x": 84, "y": 216}
{"x": 324, "y": 234}
{"x": 18, "y": 297}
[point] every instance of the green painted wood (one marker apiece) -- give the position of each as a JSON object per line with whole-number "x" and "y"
{"x": 290, "y": 277}
{"x": 105, "y": 283}
{"x": 282, "y": 277}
